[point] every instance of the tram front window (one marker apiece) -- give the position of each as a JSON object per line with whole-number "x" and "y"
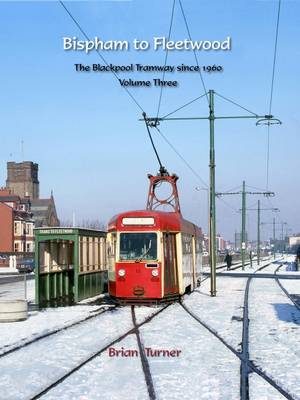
{"x": 138, "y": 246}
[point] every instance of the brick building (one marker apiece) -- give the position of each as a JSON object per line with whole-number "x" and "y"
{"x": 21, "y": 209}
{"x": 16, "y": 223}
{"x": 22, "y": 179}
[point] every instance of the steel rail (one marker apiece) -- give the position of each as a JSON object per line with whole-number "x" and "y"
{"x": 18, "y": 346}
{"x": 63, "y": 377}
{"x": 284, "y": 289}
{"x": 244, "y": 369}
{"x": 246, "y": 364}
{"x": 236, "y": 265}
{"x": 144, "y": 360}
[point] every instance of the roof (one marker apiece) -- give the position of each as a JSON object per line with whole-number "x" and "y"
{"x": 40, "y": 210}
{"x": 23, "y": 215}
{"x": 41, "y": 203}
{"x": 9, "y": 198}
{"x": 166, "y": 221}
{"x": 57, "y": 232}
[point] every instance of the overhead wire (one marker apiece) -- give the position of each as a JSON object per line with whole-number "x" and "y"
{"x": 190, "y": 102}
{"x": 227, "y": 204}
{"x": 275, "y": 56}
{"x": 254, "y": 187}
{"x": 232, "y": 189}
{"x": 195, "y": 54}
{"x": 99, "y": 54}
{"x": 185, "y": 105}
{"x": 271, "y": 91}
{"x": 166, "y": 58}
{"x": 153, "y": 145}
{"x": 236, "y": 104}
{"x": 181, "y": 157}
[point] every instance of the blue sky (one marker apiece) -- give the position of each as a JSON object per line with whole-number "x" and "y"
{"x": 83, "y": 129}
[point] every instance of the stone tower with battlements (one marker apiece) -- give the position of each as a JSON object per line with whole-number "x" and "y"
{"x": 22, "y": 178}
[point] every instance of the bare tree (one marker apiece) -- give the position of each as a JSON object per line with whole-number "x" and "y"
{"x": 85, "y": 223}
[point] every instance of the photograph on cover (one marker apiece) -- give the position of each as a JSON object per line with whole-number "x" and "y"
{"x": 149, "y": 200}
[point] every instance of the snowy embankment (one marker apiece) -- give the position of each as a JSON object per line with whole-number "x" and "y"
{"x": 274, "y": 332}
{"x": 29, "y": 370}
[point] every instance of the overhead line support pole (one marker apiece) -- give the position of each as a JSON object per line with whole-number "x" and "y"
{"x": 243, "y": 236}
{"x": 258, "y": 232}
{"x": 212, "y": 197}
{"x": 154, "y": 121}
{"x": 274, "y": 238}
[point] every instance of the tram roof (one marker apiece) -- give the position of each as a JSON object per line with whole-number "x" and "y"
{"x": 151, "y": 220}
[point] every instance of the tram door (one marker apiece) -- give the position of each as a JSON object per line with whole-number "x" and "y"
{"x": 170, "y": 259}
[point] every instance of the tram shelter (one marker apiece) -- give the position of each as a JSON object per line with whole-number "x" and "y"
{"x": 70, "y": 265}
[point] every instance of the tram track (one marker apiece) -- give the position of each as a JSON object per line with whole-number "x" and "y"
{"x": 224, "y": 268}
{"x": 245, "y": 360}
{"x": 144, "y": 360}
{"x": 277, "y": 278}
{"x": 20, "y": 345}
{"x": 98, "y": 353}
{"x": 247, "y": 365}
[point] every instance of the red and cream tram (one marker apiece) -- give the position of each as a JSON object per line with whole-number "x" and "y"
{"x": 153, "y": 256}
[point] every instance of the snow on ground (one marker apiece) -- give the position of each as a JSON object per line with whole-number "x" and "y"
{"x": 40, "y": 322}
{"x": 259, "y": 389}
{"x": 291, "y": 285}
{"x": 248, "y": 267}
{"x": 142, "y": 312}
{"x": 58, "y": 353}
{"x": 105, "y": 378}
{"x": 16, "y": 290}
{"x": 204, "y": 369}
{"x": 274, "y": 333}
{"x": 252, "y": 268}
{"x": 225, "y": 311}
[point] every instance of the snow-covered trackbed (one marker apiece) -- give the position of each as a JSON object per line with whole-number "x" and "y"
{"x": 241, "y": 344}
{"x": 243, "y": 355}
{"x": 99, "y": 352}
{"x": 5, "y": 350}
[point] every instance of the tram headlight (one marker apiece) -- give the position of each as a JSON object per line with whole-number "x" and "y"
{"x": 121, "y": 272}
{"x": 154, "y": 272}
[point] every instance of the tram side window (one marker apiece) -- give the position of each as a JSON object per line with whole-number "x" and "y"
{"x": 186, "y": 243}
{"x": 198, "y": 245}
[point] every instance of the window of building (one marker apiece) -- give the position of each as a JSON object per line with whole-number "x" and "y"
{"x": 16, "y": 247}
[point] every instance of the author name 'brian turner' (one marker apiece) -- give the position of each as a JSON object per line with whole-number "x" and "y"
{"x": 112, "y": 352}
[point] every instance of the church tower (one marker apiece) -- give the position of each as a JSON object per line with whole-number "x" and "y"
{"x": 22, "y": 178}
